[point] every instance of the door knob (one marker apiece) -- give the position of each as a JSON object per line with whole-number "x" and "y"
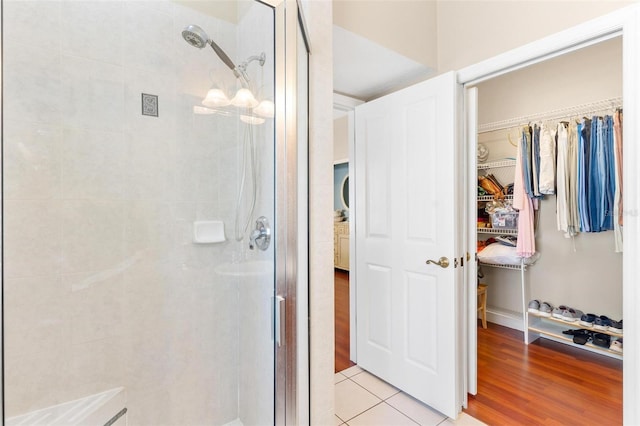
{"x": 443, "y": 262}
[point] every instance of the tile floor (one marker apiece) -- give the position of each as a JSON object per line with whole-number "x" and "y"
{"x": 362, "y": 399}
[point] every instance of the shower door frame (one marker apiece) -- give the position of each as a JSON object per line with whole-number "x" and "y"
{"x": 291, "y": 225}
{"x": 291, "y": 403}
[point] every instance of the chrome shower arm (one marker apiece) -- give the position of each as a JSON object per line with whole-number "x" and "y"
{"x": 242, "y": 67}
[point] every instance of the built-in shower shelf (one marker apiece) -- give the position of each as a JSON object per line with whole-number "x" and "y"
{"x": 208, "y": 232}
{"x": 105, "y": 408}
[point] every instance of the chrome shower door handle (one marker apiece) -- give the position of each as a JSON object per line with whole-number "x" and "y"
{"x": 261, "y": 235}
{"x": 278, "y": 320}
{"x": 443, "y": 262}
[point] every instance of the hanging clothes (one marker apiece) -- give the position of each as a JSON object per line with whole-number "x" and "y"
{"x": 547, "y": 181}
{"x": 535, "y": 161}
{"x": 573, "y": 219}
{"x": 581, "y": 163}
{"x": 595, "y": 176}
{"x": 526, "y": 161}
{"x": 562, "y": 197}
{"x": 526, "y": 245}
{"x": 584, "y": 160}
{"x": 617, "y": 142}
{"x": 610, "y": 172}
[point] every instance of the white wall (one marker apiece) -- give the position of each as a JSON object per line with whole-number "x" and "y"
{"x": 222, "y": 9}
{"x": 589, "y": 278}
{"x": 405, "y": 26}
{"x": 341, "y": 139}
{"x": 318, "y": 15}
{"x": 471, "y": 31}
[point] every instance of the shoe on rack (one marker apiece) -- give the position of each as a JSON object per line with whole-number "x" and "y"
{"x": 545, "y": 309}
{"x": 587, "y": 320}
{"x": 616, "y": 345}
{"x": 534, "y": 307}
{"x": 572, "y": 315}
{"x": 557, "y": 312}
{"x": 616, "y": 326}
{"x": 602, "y": 340}
{"x": 507, "y": 240}
{"x": 578, "y": 332}
{"x": 583, "y": 337}
{"x": 602, "y": 323}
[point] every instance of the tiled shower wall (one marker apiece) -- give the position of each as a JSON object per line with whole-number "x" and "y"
{"x": 103, "y": 285}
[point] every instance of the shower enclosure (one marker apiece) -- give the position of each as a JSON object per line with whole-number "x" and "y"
{"x": 149, "y": 274}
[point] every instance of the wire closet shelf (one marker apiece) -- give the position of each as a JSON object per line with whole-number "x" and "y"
{"x": 587, "y": 109}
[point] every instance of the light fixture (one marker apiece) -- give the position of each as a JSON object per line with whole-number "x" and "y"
{"x": 244, "y": 99}
{"x": 203, "y": 110}
{"x": 265, "y": 109}
{"x": 251, "y": 119}
{"x": 215, "y": 98}
{"x": 210, "y": 111}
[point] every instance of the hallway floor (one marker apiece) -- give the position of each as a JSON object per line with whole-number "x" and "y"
{"x": 341, "y": 306}
{"x": 363, "y": 399}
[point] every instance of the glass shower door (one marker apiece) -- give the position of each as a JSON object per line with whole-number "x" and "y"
{"x": 138, "y": 191}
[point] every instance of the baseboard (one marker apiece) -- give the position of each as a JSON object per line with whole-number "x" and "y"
{"x": 505, "y": 318}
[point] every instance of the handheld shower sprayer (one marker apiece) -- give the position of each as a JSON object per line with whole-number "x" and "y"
{"x": 196, "y": 37}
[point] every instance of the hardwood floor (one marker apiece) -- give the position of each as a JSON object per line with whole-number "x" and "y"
{"x": 543, "y": 383}
{"x": 341, "y": 283}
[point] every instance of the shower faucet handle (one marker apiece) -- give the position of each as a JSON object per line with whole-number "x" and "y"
{"x": 261, "y": 236}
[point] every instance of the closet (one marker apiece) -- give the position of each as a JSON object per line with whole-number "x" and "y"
{"x": 583, "y": 272}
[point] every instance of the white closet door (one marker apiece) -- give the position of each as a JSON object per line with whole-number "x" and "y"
{"x": 406, "y": 195}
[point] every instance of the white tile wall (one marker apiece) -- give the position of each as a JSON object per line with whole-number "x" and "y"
{"x": 94, "y": 163}
{"x": 103, "y": 284}
{"x": 34, "y": 73}
{"x": 32, "y": 161}
{"x": 94, "y": 30}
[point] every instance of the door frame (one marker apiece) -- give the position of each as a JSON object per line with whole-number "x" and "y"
{"x": 348, "y": 105}
{"x": 623, "y": 22}
{"x": 292, "y": 359}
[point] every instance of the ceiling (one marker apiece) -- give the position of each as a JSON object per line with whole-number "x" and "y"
{"x": 365, "y": 70}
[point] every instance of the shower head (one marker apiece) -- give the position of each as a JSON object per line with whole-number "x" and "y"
{"x": 196, "y": 37}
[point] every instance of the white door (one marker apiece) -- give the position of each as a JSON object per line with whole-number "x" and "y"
{"x": 408, "y": 331}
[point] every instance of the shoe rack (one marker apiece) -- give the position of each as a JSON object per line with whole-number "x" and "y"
{"x": 551, "y": 328}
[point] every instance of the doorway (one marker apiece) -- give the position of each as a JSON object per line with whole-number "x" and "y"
{"x": 344, "y": 275}
{"x": 501, "y": 97}
{"x": 341, "y": 240}
{"x": 589, "y": 76}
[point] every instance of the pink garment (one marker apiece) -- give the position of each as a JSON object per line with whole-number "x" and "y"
{"x": 526, "y": 246}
